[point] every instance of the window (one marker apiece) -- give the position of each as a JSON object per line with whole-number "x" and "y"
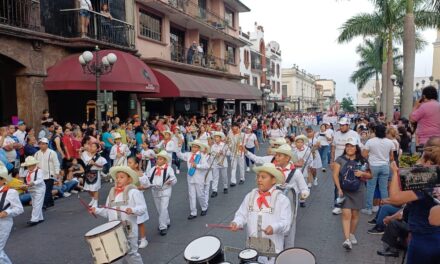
{"x": 230, "y": 54}
{"x": 272, "y": 69}
{"x": 273, "y": 87}
{"x": 229, "y": 17}
{"x": 284, "y": 94}
{"x": 177, "y": 44}
{"x": 246, "y": 59}
{"x": 255, "y": 81}
{"x": 246, "y": 79}
{"x": 278, "y": 87}
{"x": 278, "y": 70}
{"x": 150, "y": 25}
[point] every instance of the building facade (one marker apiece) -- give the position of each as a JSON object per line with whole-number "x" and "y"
{"x": 300, "y": 88}
{"x": 328, "y": 93}
{"x": 436, "y": 59}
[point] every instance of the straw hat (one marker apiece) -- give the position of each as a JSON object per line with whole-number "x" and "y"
{"x": 116, "y": 135}
{"x": 284, "y": 149}
{"x": 303, "y": 138}
{"x": 278, "y": 141}
{"x": 29, "y": 161}
{"x": 130, "y": 172}
{"x": 168, "y": 132}
{"x": 272, "y": 170}
{"x": 218, "y": 134}
{"x": 199, "y": 143}
{"x": 4, "y": 173}
{"x": 164, "y": 155}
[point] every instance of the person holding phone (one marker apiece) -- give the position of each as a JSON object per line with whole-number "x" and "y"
{"x": 425, "y": 114}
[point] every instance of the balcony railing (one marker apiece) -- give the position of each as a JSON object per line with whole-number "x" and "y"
{"x": 182, "y": 54}
{"x": 20, "y": 13}
{"x": 100, "y": 28}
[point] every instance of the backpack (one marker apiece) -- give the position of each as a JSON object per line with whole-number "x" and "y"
{"x": 347, "y": 179}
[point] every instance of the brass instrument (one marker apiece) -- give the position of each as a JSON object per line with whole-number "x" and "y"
{"x": 216, "y": 156}
{"x": 223, "y": 152}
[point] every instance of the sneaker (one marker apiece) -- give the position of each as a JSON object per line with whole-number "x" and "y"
{"x": 375, "y": 209}
{"x": 347, "y": 244}
{"x": 67, "y": 194}
{"x": 372, "y": 222}
{"x": 143, "y": 243}
{"x": 309, "y": 185}
{"x": 324, "y": 170}
{"x": 177, "y": 171}
{"x": 213, "y": 194}
{"x": 225, "y": 190}
{"x": 248, "y": 169}
{"x": 74, "y": 191}
{"x": 337, "y": 211}
{"x": 376, "y": 231}
{"x": 367, "y": 211}
{"x": 353, "y": 239}
{"x": 315, "y": 182}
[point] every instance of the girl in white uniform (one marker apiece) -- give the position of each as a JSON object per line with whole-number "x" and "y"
{"x": 94, "y": 164}
{"x": 125, "y": 196}
{"x": 10, "y": 206}
{"x": 147, "y": 158}
{"x": 161, "y": 179}
{"x": 119, "y": 151}
{"x": 303, "y": 154}
{"x": 316, "y": 158}
{"x": 33, "y": 178}
{"x": 265, "y": 211}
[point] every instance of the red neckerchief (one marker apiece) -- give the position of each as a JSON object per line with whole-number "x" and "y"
{"x": 118, "y": 190}
{"x": 159, "y": 170}
{"x": 165, "y": 142}
{"x": 28, "y": 177}
{"x": 262, "y": 199}
{"x": 301, "y": 149}
{"x": 191, "y": 160}
{"x": 4, "y": 189}
{"x": 118, "y": 150}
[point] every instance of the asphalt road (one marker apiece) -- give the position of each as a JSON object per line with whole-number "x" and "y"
{"x": 60, "y": 239}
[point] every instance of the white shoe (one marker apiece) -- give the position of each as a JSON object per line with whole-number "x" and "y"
{"x": 248, "y": 169}
{"x": 143, "y": 243}
{"x": 74, "y": 191}
{"x": 367, "y": 211}
{"x": 67, "y": 194}
{"x": 337, "y": 211}
{"x": 347, "y": 244}
{"x": 375, "y": 209}
{"x": 324, "y": 170}
{"x": 309, "y": 185}
{"x": 353, "y": 239}
{"x": 177, "y": 171}
{"x": 315, "y": 182}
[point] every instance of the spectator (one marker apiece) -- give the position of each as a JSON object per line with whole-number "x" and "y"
{"x": 57, "y": 144}
{"x": 395, "y": 234}
{"x": 384, "y": 211}
{"x": 68, "y": 143}
{"x": 106, "y": 22}
{"x": 18, "y": 184}
{"x": 405, "y": 140}
{"x": 20, "y": 134}
{"x": 11, "y": 145}
{"x": 84, "y": 14}
{"x": 191, "y": 52}
{"x": 31, "y": 146}
{"x": 426, "y": 114}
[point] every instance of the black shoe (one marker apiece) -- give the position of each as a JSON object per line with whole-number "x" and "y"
{"x": 241, "y": 182}
{"x": 372, "y": 221}
{"x": 213, "y": 194}
{"x": 41, "y": 221}
{"x": 163, "y": 232}
{"x": 191, "y": 217}
{"x": 203, "y": 213}
{"x": 302, "y": 204}
{"x": 232, "y": 184}
{"x": 225, "y": 190}
{"x": 169, "y": 225}
{"x": 376, "y": 231}
{"x": 388, "y": 253}
{"x": 30, "y": 223}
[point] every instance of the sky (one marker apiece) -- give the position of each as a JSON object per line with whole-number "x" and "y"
{"x": 307, "y": 31}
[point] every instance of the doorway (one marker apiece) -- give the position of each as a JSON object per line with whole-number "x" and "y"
{"x": 8, "y": 90}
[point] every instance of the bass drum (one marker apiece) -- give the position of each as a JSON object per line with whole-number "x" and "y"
{"x": 206, "y": 249}
{"x": 295, "y": 256}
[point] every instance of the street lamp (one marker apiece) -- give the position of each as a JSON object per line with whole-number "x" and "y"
{"x": 92, "y": 65}
{"x": 264, "y": 94}
{"x": 398, "y": 83}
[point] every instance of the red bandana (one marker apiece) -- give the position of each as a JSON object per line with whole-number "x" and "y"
{"x": 262, "y": 199}
{"x": 159, "y": 170}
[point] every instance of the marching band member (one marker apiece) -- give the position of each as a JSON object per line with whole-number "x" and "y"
{"x": 92, "y": 172}
{"x": 35, "y": 183}
{"x": 168, "y": 145}
{"x": 197, "y": 164}
{"x": 251, "y": 144}
{"x": 265, "y": 211}
{"x": 236, "y": 138}
{"x": 219, "y": 169}
{"x": 10, "y": 206}
{"x": 302, "y": 153}
{"x": 316, "y": 158}
{"x": 161, "y": 179}
{"x": 270, "y": 158}
{"x": 119, "y": 151}
{"x": 125, "y": 196}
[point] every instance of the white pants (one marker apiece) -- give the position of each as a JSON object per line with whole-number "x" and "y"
{"x": 197, "y": 191}
{"x": 5, "y": 230}
{"x": 37, "y": 195}
{"x": 237, "y": 162}
{"x": 161, "y": 203}
{"x": 132, "y": 257}
{"x": 216, "y": 172}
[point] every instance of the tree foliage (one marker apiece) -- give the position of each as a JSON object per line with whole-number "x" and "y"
{"x": 347, "y": 104}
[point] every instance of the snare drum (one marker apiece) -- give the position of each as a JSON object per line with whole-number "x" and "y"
{"x": 295, "y": 256}
{"x": 108, "y": 242}
{"x": 206, "y": 249}
{"x": 247, "y": 255}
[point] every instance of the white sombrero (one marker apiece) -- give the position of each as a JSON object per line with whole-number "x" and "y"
{"x": 218, "y": 134}
{"x": 199, "y": 143}
{"x": 117, "y": 135}
{"x": 4, "y": 173}
{"x": 303, "y": 138}
{"x": 284, "y": 149}
{"x": 164, "y": 155}
{"x": 278, "y": 141}
{"x": 167, "y": 132}
{"x": 129, "y": 171}
{"x": 29, "y": 161}
{"x": 272, "y": 170}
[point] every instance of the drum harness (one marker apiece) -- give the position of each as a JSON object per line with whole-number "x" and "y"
{"x": 124, "y": 202}
{"x": 3, "y": 200}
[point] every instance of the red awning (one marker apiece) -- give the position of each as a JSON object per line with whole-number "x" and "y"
{"x": 129, "y": 74}
{"x": 174, "y": 84}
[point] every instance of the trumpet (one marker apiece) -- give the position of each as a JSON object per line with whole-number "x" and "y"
{"x": 222, "y": 153}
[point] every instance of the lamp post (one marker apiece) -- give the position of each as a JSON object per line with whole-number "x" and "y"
{"x": 92, "y": 64}
{"x": 399, "y": 83}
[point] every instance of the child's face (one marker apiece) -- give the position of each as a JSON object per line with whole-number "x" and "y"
{"x": 282, "y": 159}
{"x": 132, "y": 164}
{"x": 2, "y": 181}
{"x": 144, "y": 146}
{"x": 265, "y": 181}
{"x": 122, "y": 179}
{"x": 32, "y": 167}
{"x": 161, "y": 161}
{"x": 74, "y": 161}
{"x": 195, "y": 149}
{"x": 299, "y": 144}
{"x": 217, "y": 139}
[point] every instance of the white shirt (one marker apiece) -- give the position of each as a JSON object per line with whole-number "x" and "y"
{"x": 201, "y": 167}
{"x": 275, "y": 133}
{"x": 20, "y": 135}
{"x": 85, "y": 4}
{"x": 322, "y": 137}
{"x": 379, "y": 151}
{"x": 12, "y": 154}
{"x": 340, "y": 139}
{"x": 249, "y": 140}
{"x": 48, "y": 163}
{"x": 158, "y": 187}
{"x": 123, "y": 150}
{"x": 15, "y": 208}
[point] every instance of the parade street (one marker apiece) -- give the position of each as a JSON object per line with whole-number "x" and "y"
{"x": 60, "y": 239}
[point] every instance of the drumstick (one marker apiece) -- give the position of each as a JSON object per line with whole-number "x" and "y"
{"x": 114, "y": 209}
{"x": 221, "y": 226}
{"x": 86, "y": 206}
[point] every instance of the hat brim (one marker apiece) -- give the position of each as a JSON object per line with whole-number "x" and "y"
{"x": 284, "y": 152}
{"x": 303, "y": 138}
{"x": 219, "y": 135}
{"x": 30, "y": 163}
{"x": 272, "y": 171}
{"x": 163, "y": 156}
{"x": 200, "y": 145}
{"x": 125, "y": 169}
{"x": 166, "y": 132}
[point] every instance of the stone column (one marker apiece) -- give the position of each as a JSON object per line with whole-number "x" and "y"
{"x": 31, "y": 99}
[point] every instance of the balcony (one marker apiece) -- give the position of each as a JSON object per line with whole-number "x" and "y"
{"x": 100, "y": 28}
{"x": 20, "y": 13}
{"x": 180, "y": 54}
{"x": 190, "y": 14}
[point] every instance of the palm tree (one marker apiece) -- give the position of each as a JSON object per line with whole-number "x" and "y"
{"x": 409, "y": 59}
{"x": 387, "y": 22}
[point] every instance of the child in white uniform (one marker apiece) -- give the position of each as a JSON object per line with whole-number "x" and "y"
{"x": 147, "y": 158}
{"x": 197, "y": 168}
{"x": 33, "y": 177}
{"x": 119, "y": 151}
{"x": 161, "y": 178}
{"x": 125, "y": 196}
{"x": 168, "y": 145}
{"x": 303, "y": 154}
{"x": 10, "y": 206}
{"x": 219, "y": 150}
{"x": 265, "y": 211}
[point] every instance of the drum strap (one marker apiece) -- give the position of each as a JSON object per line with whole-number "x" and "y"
{"x": 269, "y": 210}
{"x": 124, "y": 202}
{"x": 259, "y": 223}
{"x": 3, "y": 200}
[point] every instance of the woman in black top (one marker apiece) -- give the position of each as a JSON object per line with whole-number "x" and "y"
{"x": 405, "y": 140}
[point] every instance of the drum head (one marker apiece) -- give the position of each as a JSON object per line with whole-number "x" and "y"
{"x": 102, "y": 228}
{"x": 248, "y": 253}
{"x": 295, "y": 256}
{"x": 202, "y": 248}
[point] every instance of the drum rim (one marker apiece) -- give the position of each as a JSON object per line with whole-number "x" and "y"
{"x": 253, "y": 249}
{"x": 216, "y": 253}
{"x": 286, "y": 249}
{"x": 104, "y": 232}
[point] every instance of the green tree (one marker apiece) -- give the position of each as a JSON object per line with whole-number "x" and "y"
{"x": 347, "y": 104}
